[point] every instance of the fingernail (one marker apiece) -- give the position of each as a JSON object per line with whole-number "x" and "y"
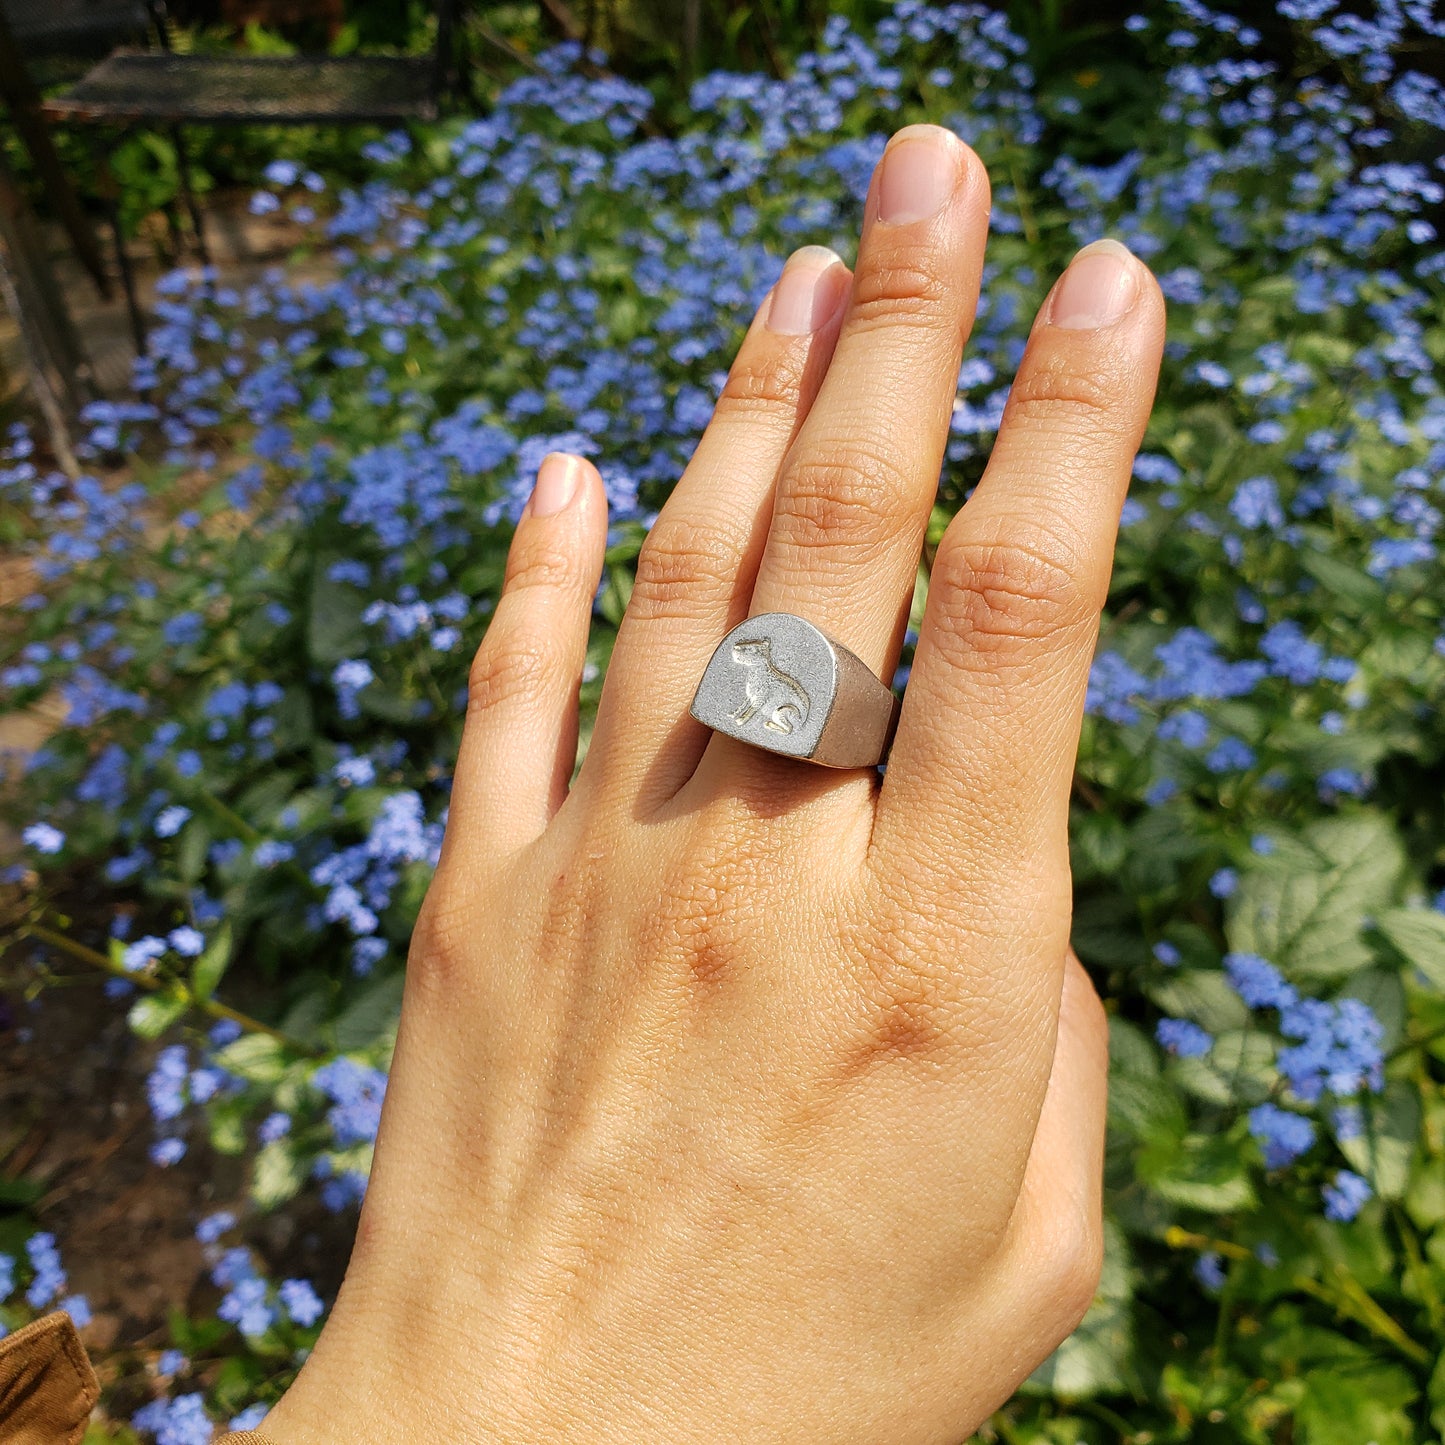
{"x": 557, "y": 480}
{"x": 920, "y": 171}
{"x": 801, "y": 303}
{"x": 1097, "y": 289}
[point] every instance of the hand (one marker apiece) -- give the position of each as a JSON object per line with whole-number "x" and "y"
{"x": 737, "y": 1098}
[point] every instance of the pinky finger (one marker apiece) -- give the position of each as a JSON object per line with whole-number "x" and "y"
{"x": 1048, "y": 1268}
{"x": 519, "y": 744}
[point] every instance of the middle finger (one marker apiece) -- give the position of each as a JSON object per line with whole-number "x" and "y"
{"x": 855, "y": 491}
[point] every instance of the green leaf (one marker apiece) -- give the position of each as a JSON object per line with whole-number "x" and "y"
{"x": 303, "y": 1020}
{"x": 1382, "y": 991}
{"x": 1099, "y": 843}
{"x": 1418, "y": 935}
{"x": 208, "y": 969}
{"x": 1105, "y": 931}
{"x": 1425, "y": 1198}
{"x": 483, "y": 578}
{"x": 1324, "y": 350}
{"x": 1203, "y": 995}
{"x": 278, "y": 1174}
{"x": 1347, "y": 1404}
{"x": 1132, "y": 1053}
{"x": 1348, "y": 583}
{"x": 1397, "y": 650}
{"x": 21, "y": 1193}
{"x": 1200, "y": 1171}
{"x": 1305, "y": 913}
{"x": 371, "y": 1016}
{"x": 266, "y": 797}
{"x": 227, "y": 1123}
{"x": 1384, "y": 1150}
{"x": 1161, "y": 845}
{"x": 1143, "y": 1105}
{"x": 1143, "y": 1111}
{"x": 151, "y": 1015}
{"x": 334, "y": 629}
{"x": 1237, "y": 1070}
{"x": 257, "y": 1058}
{"x": 380, "y": 702}
{"x": 616, "y": 594}
{"x": 191, "y": 848}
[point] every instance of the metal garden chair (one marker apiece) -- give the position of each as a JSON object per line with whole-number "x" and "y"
{"x": 152, "y": 85}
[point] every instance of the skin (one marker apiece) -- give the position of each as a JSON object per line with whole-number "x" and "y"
{"x": 737, "y": 1098}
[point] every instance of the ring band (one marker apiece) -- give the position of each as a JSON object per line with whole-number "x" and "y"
{"x": 777, "y": 682}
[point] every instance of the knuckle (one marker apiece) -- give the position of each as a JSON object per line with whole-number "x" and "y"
{"x": 901, "y": 290}
{"x": 707, "y": 905}
{"x": 1055, "y": 393}
{"x": 540, "y": 564}
{"x": 910, "y": 1000}
{"x": 1023, "y": 588}
{"x": 769, "y": 385}
{"x": 439, "y": 959}
{"x": 850, "y": 494}
{"x": 1071, "y": 1264}
{"x": 684, "y": 570}
{"x": 511, "y": 666}
{"x": 693, "y": 937}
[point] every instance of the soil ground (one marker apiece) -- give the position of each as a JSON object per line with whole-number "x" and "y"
{"x": 75, "y": 1127}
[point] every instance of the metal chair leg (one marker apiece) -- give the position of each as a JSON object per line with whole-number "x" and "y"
{"x": 22, "y": 101}
{"x": 176, "y": 238}
{"x": 188, "y": 196}
{"x": 59, "y": 372}
{"x": 127, "y": 280}
{"x": 109, "y": 191}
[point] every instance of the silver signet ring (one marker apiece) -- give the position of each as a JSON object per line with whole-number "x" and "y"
{"x": 779, "y": 683}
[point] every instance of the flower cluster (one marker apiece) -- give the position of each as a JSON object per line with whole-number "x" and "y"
{"x": 47, "y": 1284}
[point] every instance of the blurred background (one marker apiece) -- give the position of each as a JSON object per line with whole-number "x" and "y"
{"x": 147, "y": 175}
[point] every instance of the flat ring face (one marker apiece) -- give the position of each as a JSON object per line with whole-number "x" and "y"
{"x": 772, "y": 682}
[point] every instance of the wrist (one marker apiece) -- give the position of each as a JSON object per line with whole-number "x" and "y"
{"x": 390, "y": 1384}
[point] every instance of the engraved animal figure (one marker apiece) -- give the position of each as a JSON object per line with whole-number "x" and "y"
{"x": 767, "y": 685}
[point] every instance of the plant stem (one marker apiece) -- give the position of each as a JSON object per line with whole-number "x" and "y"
{"x": 1221, "y": 1325}
{"x": 1423, "y": 1274}
{"x": 1349, "y": 1297}
{"x": 229, "y": 814}
{"x": 1106, "y": 1416}
{"x": 1177, "y": 1238}
{"x": 208, "y": 1006}
{"x": 1354, "y": 1302}
{"x": 1026, "y": 210}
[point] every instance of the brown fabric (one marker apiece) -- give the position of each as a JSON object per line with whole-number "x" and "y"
{"x": 47, "y": 1388}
